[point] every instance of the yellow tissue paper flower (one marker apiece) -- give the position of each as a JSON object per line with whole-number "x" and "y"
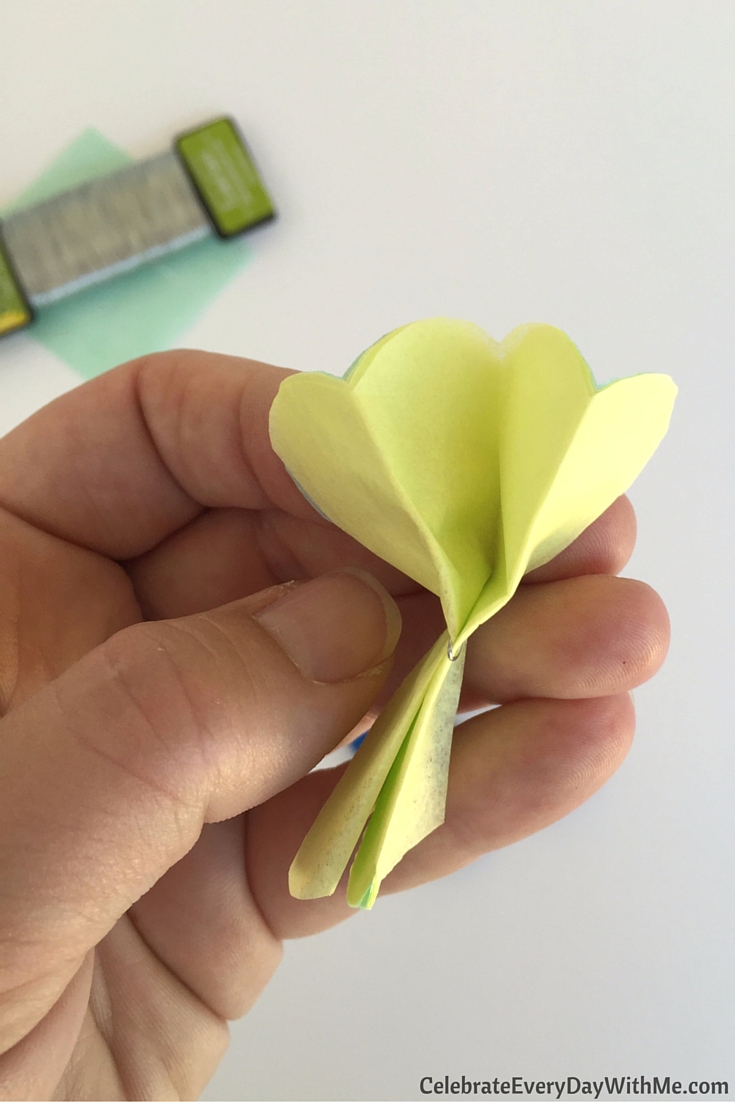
{"x": 464, "y": 463}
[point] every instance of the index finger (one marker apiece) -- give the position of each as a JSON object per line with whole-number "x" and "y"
{"x": 121, "y": 462}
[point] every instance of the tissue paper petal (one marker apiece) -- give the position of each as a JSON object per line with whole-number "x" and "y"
{"x": 568, "y": 449}
{"x": 405, "y": 455}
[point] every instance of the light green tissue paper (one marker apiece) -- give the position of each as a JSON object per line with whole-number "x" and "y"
{"x": 464, "y": 463}
{"x": 144, "y": 310}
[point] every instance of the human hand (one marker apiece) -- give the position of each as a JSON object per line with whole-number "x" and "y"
{"x": 166, "y": 689}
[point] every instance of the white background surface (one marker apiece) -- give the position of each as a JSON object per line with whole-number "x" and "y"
{"x": 504, "y": 162}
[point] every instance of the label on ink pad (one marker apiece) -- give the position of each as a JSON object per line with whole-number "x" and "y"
{"x": 224, "y": 175}
{"x": 15, "y": 312}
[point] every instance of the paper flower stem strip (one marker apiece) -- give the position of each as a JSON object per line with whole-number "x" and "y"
{"x": 398, "y": 780}
{"x": 412, "y": 800}
{"x": 464, "y": 463}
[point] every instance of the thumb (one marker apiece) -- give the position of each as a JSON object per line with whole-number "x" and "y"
{"x": 109, "y": 773}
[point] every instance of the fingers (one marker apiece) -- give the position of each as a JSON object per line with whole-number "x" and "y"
{"x": 518, "y": 767}
{"x": 201, "y": 921}
{"x": 121, "y": 462}
{"x": 119, "y": 762}
{"x": 514, "y": 770}
{"x": 226, "y": 554}
{"x": 589, "y": 636}
{"x": 582, "y": 637}
{"x": 34, "y": 1067}
{"x": 57, "y": 602}
{"x": 603, "y": 548}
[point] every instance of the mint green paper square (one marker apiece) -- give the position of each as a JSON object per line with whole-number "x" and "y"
{"x": 141, "y": 311}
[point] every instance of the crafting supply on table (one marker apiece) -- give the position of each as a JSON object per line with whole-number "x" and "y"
{"x": 207, "y": 184}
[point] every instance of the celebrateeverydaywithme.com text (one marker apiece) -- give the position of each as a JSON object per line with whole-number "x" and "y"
{"x": 621, "y": 1086}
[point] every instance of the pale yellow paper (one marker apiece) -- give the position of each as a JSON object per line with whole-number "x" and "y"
{"x": 464, "y": 463}
{"x": 412, "y": 799}
{"x": 329, "y": 844}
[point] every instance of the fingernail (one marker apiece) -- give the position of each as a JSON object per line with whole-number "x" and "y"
{"x": 335, "y": 627}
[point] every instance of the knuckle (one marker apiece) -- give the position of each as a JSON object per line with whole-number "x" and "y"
{"x": 151, "y": 722}
{"x": 196, "y": 689}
